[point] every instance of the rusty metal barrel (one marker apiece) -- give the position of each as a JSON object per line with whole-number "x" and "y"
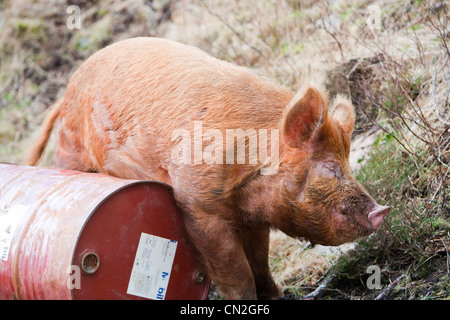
{"x": 75, "y": 235}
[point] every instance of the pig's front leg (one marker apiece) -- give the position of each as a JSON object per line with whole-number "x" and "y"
{"x": 223, "y": 255}
{"x": 256, "y": 246}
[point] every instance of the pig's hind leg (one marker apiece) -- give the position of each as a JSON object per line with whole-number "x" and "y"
{"x": 69, "y": 153}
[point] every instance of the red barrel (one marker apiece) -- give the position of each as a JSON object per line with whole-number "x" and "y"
{"x": 74, "y": 235}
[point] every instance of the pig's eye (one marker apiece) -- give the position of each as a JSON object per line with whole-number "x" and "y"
{"x": 332, "y": 169}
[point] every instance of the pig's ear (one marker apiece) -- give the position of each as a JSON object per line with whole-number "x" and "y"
{"x": 344, "y": 113}
{"x": 306, "y": 112}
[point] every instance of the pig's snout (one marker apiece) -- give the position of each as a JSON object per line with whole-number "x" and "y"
{"x": 377, "y": 215}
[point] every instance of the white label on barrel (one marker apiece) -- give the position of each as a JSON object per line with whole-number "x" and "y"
{"x": 152, "y": 267}
{"x": 9, "y": 219}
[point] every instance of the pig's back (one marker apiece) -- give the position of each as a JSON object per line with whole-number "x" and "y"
{"x": 152, "y": 77}
{"x": 145, "y": 88}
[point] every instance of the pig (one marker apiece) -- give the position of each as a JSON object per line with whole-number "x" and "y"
{"x": 119, "y": 114}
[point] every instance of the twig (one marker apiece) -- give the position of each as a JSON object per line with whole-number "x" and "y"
{"x": 323, "y": 276}
{"x": 309, "y": 245}
{"x": 389, "y": 288}
{"x": 334, "y": 37}
{"x": 443, "y": 32}
{"x": 232, "y": 29}
{"x": 434, "y": 97}
{"x": 319, "y": 291}
{"x": 448, "y": 259}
